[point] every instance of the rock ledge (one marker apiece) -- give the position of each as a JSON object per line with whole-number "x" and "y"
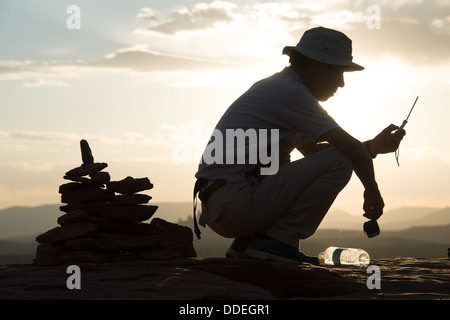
{"x": 225, "y": 279}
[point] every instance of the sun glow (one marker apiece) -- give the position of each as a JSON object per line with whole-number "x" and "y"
{"x": 372, "y": 98}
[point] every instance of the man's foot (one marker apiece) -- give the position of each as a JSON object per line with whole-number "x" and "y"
{"x": 268, "y": 249}
{"x": 237, "y": 248}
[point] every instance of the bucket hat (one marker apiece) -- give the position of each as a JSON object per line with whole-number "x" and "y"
{"x": 327, "y": 46}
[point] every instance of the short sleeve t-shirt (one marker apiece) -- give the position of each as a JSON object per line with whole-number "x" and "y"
{"x": 281, "y": 102}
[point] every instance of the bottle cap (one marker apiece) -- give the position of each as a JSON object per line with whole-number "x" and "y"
{"x": 371, "y": 228}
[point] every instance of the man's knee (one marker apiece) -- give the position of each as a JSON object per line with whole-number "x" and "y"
{"x": 343, "y": 164}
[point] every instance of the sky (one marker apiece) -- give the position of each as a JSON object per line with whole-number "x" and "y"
{"x": 145, "y": 82}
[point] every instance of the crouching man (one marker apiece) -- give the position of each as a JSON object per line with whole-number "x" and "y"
{"x": 268, "y": 207}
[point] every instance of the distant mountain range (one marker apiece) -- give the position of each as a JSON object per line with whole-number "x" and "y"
{"x": 26, "y": 221}
{"x": 418, "y": 232}
{"x": 17, "y": 222}
{"x": 396, "y": 219}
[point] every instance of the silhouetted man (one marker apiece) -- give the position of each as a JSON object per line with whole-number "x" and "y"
{"x": 268, "y": 213}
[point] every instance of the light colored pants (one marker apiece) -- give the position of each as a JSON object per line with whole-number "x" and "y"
{"x": 287, "y": 206}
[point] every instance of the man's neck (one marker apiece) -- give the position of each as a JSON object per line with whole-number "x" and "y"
{"x": 304, "y": 75}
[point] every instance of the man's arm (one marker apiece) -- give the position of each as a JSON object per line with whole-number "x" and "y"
{"x": 363, "y": 167}
{"x": 310, "y": 148}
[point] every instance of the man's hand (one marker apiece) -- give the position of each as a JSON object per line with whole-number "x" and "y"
{"x": 387, "y": 140}
{"x": 373, "y": 204}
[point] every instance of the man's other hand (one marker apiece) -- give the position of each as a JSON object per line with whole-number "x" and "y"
{"x": 373, "y": 204}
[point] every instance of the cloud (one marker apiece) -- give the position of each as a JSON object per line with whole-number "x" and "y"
{"x": 202, "y": 16}
{"x": 35, "y": 167}
{"x": 427, "y": 153}
{"x": 9, "y": 67}
{"x": 418, "y": 32}
{"x": 136, "y": 58}
{"x": 127, "y": 138}
{"x": 41, "y": 73}
{"x": 140, "y": 59}
{"x": 44, "y": 83}
{"x": 411, "y": 41}
{"x": 146, "y": 14}
{"x": 37, "y": 135}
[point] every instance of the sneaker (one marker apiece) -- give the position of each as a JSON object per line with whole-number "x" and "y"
{"x": 237, "y": 248}
{"x": 268, "y": 249}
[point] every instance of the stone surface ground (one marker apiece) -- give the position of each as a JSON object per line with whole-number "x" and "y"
{"x": 219, "y": 278}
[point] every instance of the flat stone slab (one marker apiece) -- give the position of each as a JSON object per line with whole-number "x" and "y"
{"x": 86, "y": 169}
{"x": 129, "y": 185}
{"x": 226, "y": 279}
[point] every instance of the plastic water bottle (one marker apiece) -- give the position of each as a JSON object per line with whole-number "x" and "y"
{"x": 344, "y": 257}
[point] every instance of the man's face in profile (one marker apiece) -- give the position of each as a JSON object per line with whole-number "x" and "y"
{"x": 329, "y": 80}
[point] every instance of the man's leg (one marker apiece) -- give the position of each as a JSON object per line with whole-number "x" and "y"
{"x": 289, "y": 205}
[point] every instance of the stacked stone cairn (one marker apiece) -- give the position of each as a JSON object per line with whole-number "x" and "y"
{"x": 104, "y": 221}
